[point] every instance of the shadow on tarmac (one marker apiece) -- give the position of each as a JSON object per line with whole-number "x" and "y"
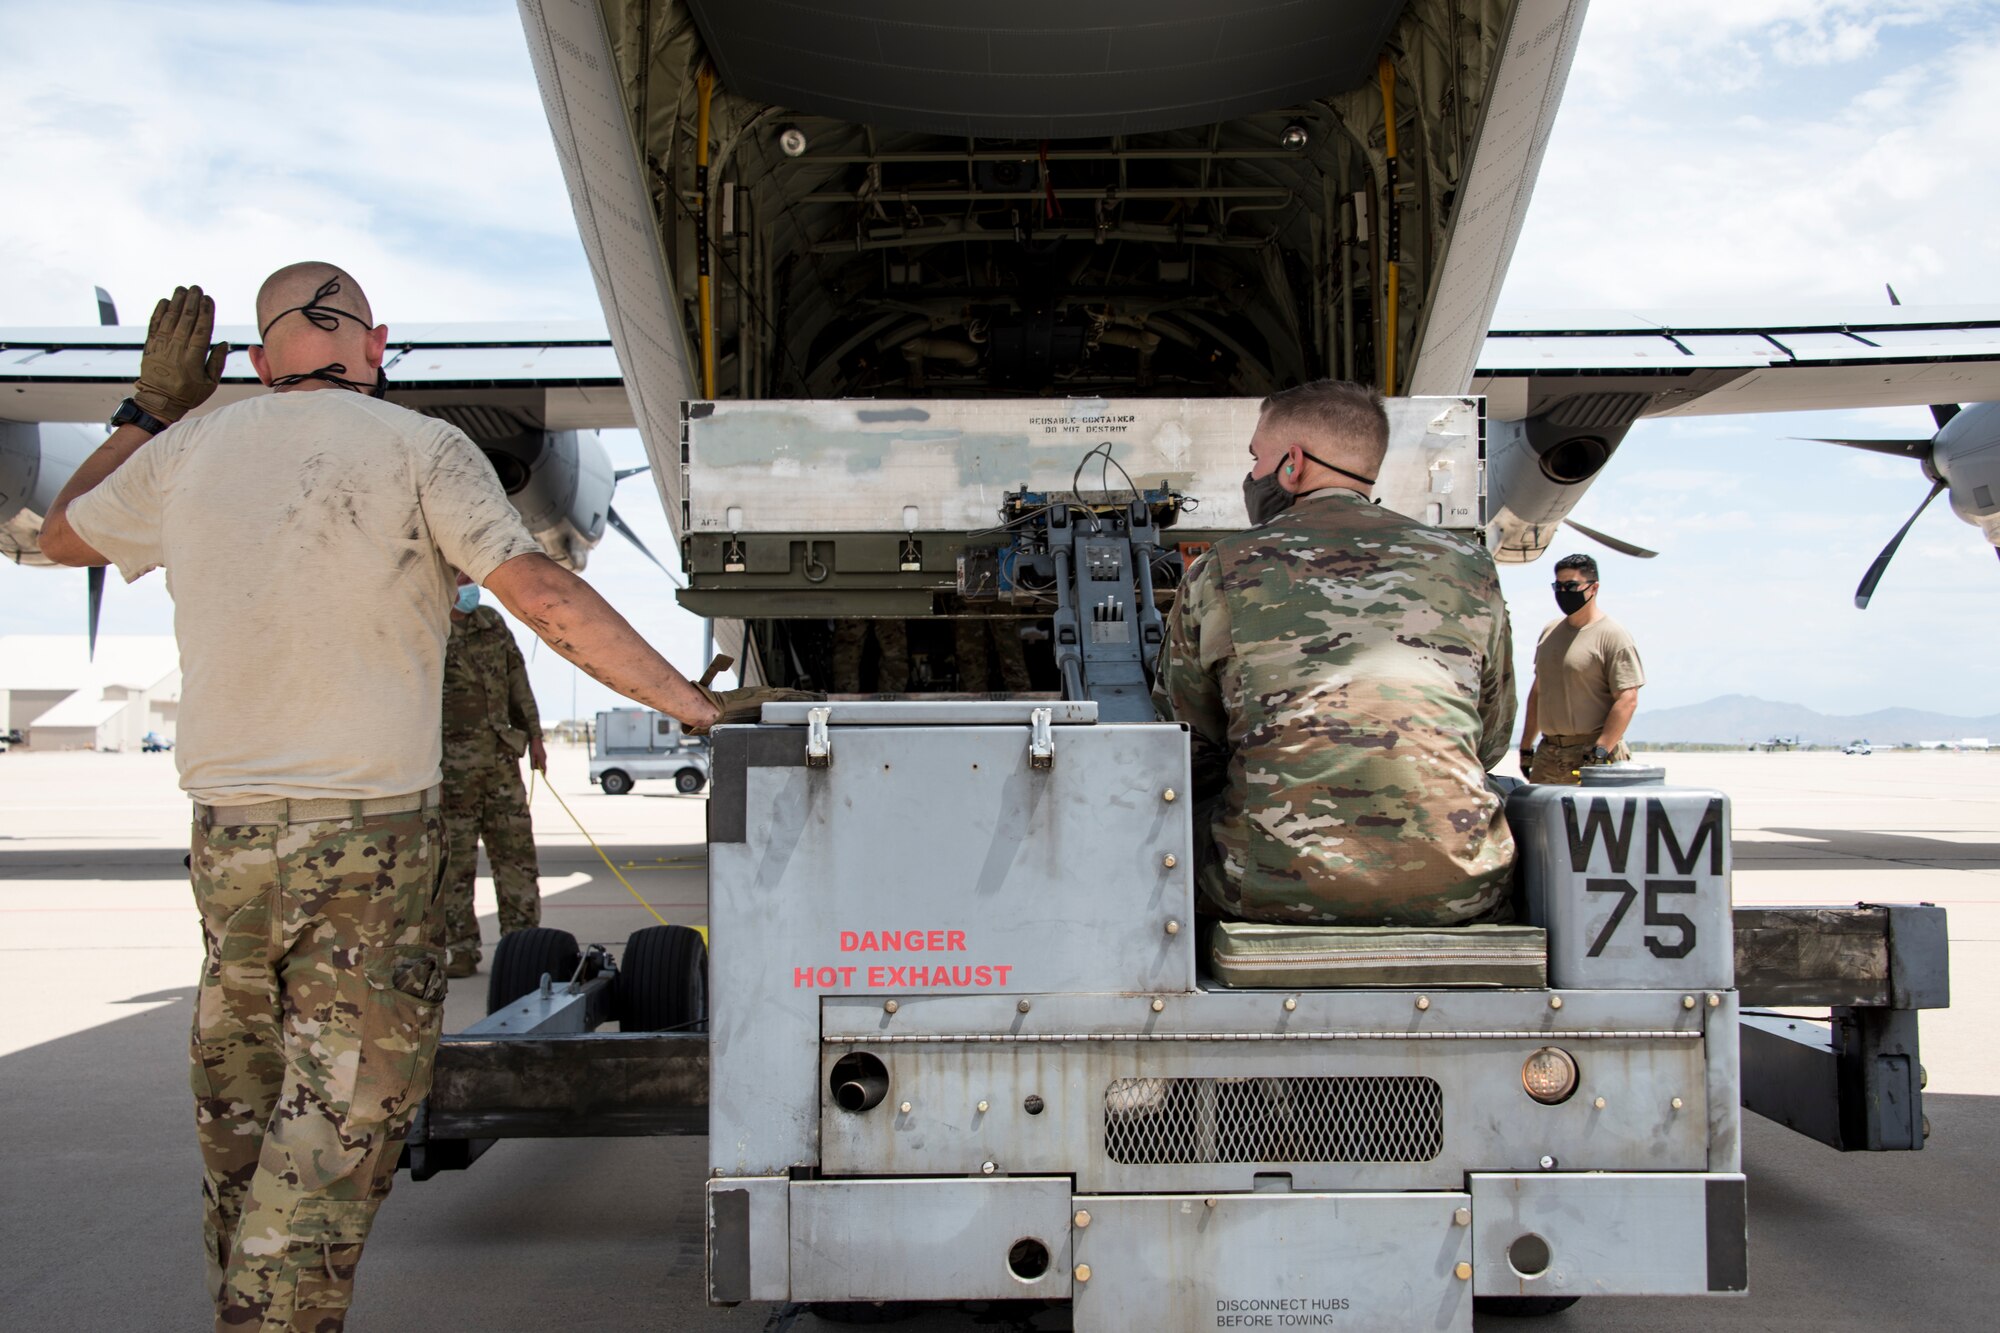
{"x": 1864, "y": 845}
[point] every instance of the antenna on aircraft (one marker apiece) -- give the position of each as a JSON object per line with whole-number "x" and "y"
{"x": 94, "y": 576}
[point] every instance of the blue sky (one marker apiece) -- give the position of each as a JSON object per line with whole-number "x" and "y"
{"x": 1760, "y": 153}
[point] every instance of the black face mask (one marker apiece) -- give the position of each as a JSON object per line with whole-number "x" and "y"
{"x": 323, "y": 316}
{"x": 1265, "y": 497}
{"x": 1572, "y": 602}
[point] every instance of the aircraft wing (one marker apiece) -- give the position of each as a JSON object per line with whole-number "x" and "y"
{"x": 546, "y": 375}
{"x": 1697, "y": 363}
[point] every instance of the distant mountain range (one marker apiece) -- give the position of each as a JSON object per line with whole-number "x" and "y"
{"x": 1741, "y": 718}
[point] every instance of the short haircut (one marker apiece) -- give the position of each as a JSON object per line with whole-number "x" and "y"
{"x": 294, "y": 285}
{"x": 1341, "y": 416}
{"x": 1582, "y": 564}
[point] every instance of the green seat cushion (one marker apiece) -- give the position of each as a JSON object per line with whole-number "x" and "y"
{"x": 1256, "y": 955}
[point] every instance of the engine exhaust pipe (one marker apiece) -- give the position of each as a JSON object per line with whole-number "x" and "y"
{"x": 860, "y": 1082}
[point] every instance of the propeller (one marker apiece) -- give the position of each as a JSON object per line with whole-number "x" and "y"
{"x": 1876, "y": 570}
{"x": 624, "y": 529}
{"x": 95, "y": 577}
{"x": 107, "y": 310}
{"x": 1606, "y": 539}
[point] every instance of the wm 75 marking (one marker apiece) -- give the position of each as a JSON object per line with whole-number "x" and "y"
{"x": 1668, "y": 934}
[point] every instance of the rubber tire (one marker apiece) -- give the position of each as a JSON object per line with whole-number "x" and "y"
{"x": 1522, "y": 1307}
{"x": 615, "y": 781}
{"x": 663, "y": 981}
{"x": 689, "y": 781}
{"x": 522, "y": 958}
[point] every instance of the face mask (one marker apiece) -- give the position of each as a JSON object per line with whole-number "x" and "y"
{"x": 336, "y": 374}
{"x": 1572, "y": 602}
{"x": 1265, "y": 497}
{"x": 468, "y": 599}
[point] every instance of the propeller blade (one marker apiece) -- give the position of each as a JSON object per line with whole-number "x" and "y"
{"x": 1875, "y": 571}
{"x": 1943, "y": 412}
{"x": 625, "y": 472}
{"x": 107, "y": 311}
{"x": 1906, "y": 448}
{"x": 1606, "y": 539}
{"x": 613, "y": 517}
{"x": 95, "y": 576}
{"x": 1893, "y": 298}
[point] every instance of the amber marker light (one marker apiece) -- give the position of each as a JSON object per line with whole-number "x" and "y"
{"x": 1549, "y": 1076}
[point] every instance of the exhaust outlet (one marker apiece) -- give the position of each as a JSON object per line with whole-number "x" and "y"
{"x": 860, "y": 1081}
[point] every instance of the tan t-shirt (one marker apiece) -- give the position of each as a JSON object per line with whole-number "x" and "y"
{"x": 308, "y": 539}
{"x": 1578, "y": 672}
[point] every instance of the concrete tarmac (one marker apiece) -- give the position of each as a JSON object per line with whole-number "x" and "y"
{"x": 99, "y": 1200}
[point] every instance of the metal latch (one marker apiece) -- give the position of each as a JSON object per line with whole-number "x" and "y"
{"x": 1041, "y": 738}
{"x": 819, "y": 746}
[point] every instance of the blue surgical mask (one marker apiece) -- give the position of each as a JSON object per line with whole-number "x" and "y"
{"x": 468, "y": 599}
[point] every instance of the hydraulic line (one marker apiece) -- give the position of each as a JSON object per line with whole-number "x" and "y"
{"x": 704, "y": 295}
{"x": 1392, "y": 250}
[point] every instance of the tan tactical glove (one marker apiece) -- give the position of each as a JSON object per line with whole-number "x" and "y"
{"x": 747, "y": 705}
{"x": 179, "y": 369}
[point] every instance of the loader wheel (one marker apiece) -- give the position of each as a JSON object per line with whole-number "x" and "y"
{"x": 616, "y": 782}
{"x": 663, "y": 981}
{"x": 688, "y": 781}
{"x": 1522, "y": 1307}
{"x": 521, "y": 960}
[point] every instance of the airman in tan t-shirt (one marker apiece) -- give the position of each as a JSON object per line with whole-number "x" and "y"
{"x": 1587, "y": 679}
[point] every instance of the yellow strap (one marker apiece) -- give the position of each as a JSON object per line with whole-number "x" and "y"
{"x": 700, "y": 930}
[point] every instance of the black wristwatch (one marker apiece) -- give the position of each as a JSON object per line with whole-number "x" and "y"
{"x": 130, "y": 413}
{"x": 1599, "y": 755}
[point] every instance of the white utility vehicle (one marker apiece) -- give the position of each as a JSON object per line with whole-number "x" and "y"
{"x": 637, "y": 743}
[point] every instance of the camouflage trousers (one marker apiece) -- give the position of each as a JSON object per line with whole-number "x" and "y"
{"x": 892, "y": 642}
{"x": 1557, "y": 758}
{"x": 485, "y": 801}
{"x": 970, "y": 638}
{"x": 315, "y": 1025}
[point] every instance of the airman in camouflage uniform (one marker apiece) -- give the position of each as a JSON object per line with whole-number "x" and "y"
{"x": 320, "y": 1004}
{"x": 975, "y": 662}
{"x": 489, "y": 720}
{"x": 1346, "y": 675}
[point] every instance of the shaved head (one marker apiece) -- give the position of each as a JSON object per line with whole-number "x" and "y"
{"x": 297, "y": 285}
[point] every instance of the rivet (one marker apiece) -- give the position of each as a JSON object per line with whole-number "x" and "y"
{"x": 986, "y": 1168}
{"x": 1687, "y": 1001}
{"x": 1291, "y": 1004}
{"x": 1168, "y": 794}
{"x": 1423, "y": 1002}
{"x": 1083, "y": 1272}
{"x": 889, "y": 1006}
{"x": 1678, "y": 1103}
{"x": 1173, "y": 927}
{"x": 1168, "y": 861}
{"x": 1548, "y": 1163}
{"x": 1023, "y": 1006}
{"x": 1599, "y": 1103}
{"x": 904, "y": 1108}
{"x": 982, "y": 1108}
{"x": 1209, "y": 1202}
{"x": 1555, "y": 1001}
{"x": 1714, "y": 1001}
{"x": 1464, "y": 1271}
{"x": 1083, "y": 1217}
{"x": 1158, "y": 1005}
{"x": 1461, "y": 1217}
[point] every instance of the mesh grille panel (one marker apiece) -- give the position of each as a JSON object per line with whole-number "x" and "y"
{"x": 1188, "y": 1121}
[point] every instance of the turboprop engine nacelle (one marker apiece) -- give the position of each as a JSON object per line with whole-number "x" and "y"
{"x": 35, "y": 461}
{"x": 1966, "y": 457}
{"x": 1537, "y": 470}
{"x": 561, "y": 481}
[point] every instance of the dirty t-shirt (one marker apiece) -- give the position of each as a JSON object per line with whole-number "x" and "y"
{"x": 308, "y": 539}
{"x": 1578, "y": 672}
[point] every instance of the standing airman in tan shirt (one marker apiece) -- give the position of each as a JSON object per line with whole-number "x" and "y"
{"x": 1587, "y": 679}
{"x": 309, "y": 538}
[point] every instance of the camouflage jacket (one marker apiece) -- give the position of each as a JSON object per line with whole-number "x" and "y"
{"x": 1347, "y": 677}
{"x": 486, "y": 683}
